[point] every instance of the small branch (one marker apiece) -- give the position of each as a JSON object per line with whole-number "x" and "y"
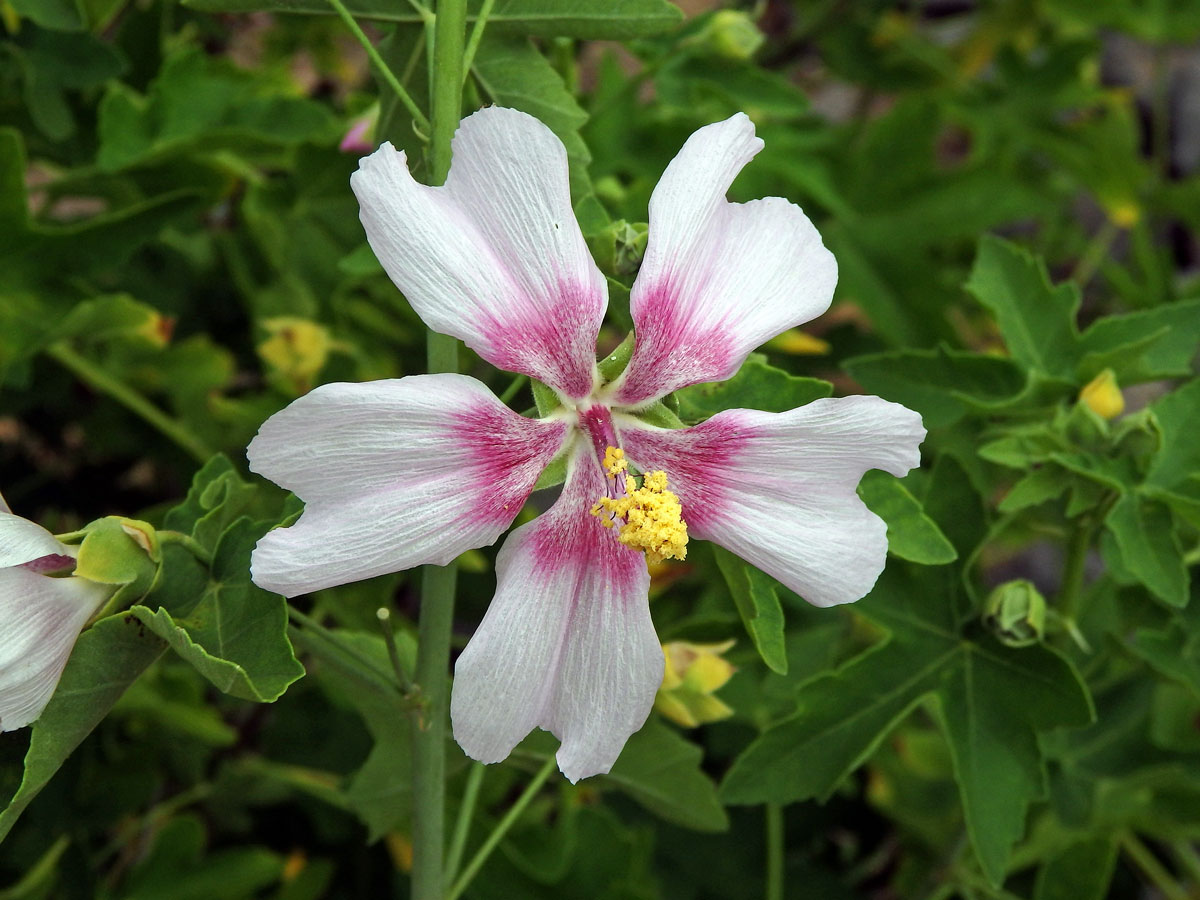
{"x": 188, "y": 543}
{"x": 501, "y": 829}
{"x": 382, "y": 67}
{"x": 475, "y": 38}
{"x": 1140, "y": 855}
{"x": 101, "y": 382}
{"x": 462, "y": 825}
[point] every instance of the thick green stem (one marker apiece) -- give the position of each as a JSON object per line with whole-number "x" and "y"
{"x": 429, "y": 730}
{"x": 437, "y": 583}
{"x": 774, "y": 852}
{"x": 501, "y": 829}
{"x": 100, "y": 381}
{"x": 449, "y": 36}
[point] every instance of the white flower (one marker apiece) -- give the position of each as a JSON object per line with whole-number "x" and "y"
{"x": 416, "y": 470}
{"x": 42, "y": 611}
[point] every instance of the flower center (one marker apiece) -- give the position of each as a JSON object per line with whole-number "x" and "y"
{"x": 648, "y": 517}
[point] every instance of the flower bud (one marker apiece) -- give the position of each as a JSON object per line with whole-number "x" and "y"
{"x": 1016, "y": 613}
{"x": 692, "y": 674}
{"x": 1102, "y": 395}
{"x": 732, "y": 34}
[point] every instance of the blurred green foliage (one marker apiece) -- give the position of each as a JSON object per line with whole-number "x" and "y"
{"x": 1009, "y": 192}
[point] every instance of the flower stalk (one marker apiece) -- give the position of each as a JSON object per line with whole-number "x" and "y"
{"x": 437, "y": 582}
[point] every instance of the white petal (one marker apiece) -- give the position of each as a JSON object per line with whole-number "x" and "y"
{"x": 4, "y": 507}
{"x": 567, "y": 643}
{"x": 22, "y": 541}
{"x": 495, "y": 257}
{"x": 718, "y": 278}
{"x": 778, "y": 489}
{"x": 394, "y": 474}
{"x": 40, "y": 619}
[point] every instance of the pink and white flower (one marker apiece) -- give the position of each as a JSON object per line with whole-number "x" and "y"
{"x": 42, "y": 611}
{"x": 416, "y": 470}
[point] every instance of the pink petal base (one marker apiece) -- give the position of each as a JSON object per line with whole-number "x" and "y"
{"x": 567, "y": 643}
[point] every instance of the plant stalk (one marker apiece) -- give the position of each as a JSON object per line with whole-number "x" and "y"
{"x": 437, "y": 582}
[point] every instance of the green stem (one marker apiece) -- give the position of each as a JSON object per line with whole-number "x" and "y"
{"x": 437, "y": 583}
{"x": 774, "y": 851}
{"x": 188, "y": 543}
{"x": 1095, "y": 253}
{"x": 476, "y": 37}
{"x": 1185, "y": 854}
{"x": 429, "y": 730}
{"x": 101, "y": 382}
{"x": 462, "y": 825}
{"x": 449, "y": 35}
{"x": 1072, "y": 581}
{"x": 330, "y": 648}
{"x": 381, "y": 67}
{"x": 513, "y": 386}
{"x": 1141, "y": 857}
{"x": 501, "y": 829}
{"x": 384, "y": 616}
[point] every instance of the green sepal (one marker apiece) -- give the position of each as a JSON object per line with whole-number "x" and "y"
{"x": 658, "y": 413}
{"x": 614, "y": 364}
{"x": 544, "y": 397}
{"x": 554, "y": 473}
{"x": 1016, "y": 613}
{"x": 110, "y": 554}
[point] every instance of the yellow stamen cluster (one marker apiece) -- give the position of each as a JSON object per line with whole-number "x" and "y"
{"x": 614, "y": 461}
{"x": 652, "y": 517}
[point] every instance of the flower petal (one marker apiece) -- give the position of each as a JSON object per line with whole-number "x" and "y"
{"x": 22, "y": 541}
{"x": 567, "y": 643}
{"x": 394, "y": 474}
{"x": 778, "y": 489}
{"x": 40, "y": 620}
{"x": 718, "y": 278}
{"x": 495, "y": 257}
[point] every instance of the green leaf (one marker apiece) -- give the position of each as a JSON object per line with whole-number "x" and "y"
{"x": 943, "y": 385}
{"x": 611, "y": 20}
{"x": 197, "y": 102}
{"x": 514, "y": 73}
{"x": 1178, "y": 458}
{"x": 993, "y": 700}
{"x": 1145, "y": 536}
{"x": 236, "y": 635}
{"x": 757, "y": 599}
{"x": 1035, "y": 487}
{"x": 355, "y": 669}
{"x": 217, "y": 497}
{"x": 106, "y": 660}
{"x": 757, "y": 385}
{"x": 1036, "y": 318}
{"x": 660, "y": 769}
{"x": 911, "y": 534}
{"x": 1142, "y": 346}
{"x": 1080, "y": 871}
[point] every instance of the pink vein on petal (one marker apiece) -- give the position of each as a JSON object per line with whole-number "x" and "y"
{"x": 699, "y": 463}
{"x": 507, "y": 453}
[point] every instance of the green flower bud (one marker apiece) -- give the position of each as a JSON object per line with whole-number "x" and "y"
{"x": 1016, "y": 613}
{"x": 732, "y": 34}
